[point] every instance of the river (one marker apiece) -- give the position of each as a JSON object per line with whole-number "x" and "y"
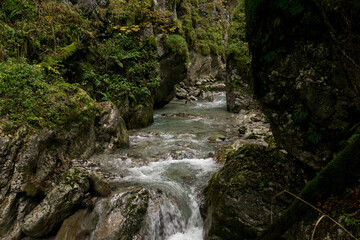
{"x": 173, "y": 158}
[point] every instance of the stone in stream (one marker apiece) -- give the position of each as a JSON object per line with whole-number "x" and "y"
{"x": 181, "y": 93}
{"x": 99, "y": 184}
{"x": 217, "y": 138}
{"x": 242, "y": 130}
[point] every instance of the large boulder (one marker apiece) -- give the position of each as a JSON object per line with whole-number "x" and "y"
{"x": 129, "y": 213}
{"x": 306, "y": 73}
{"x": 110, "y": 129}
{"x": 172, "y": 72}
{"x": 238, "y": 202}
{"x": 99, "y": 184}
{"x": 58, "y": 204}
{"x": 142, "y": 116}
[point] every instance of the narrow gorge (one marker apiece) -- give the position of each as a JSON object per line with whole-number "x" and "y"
{"x": 179, "y": 120}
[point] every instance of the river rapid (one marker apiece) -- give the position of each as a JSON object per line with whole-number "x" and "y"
{"x": 173, "y": 159}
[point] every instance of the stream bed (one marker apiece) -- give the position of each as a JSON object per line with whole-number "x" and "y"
{"x": 161, "y": 175}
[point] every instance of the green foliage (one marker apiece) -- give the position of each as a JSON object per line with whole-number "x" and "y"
{"x": 203, "y": 32}
{"x": 177, "y": 45}
{"x": 15, "y": 9}
{"x": 27, "y": 95}
{"x": 121, "y": 68}
{"x": 313, "y": 135}
{"x": 300, "y": 116}
{"x": 40, "y": 28}
{"x": 350, "y": 220}
{"x": 238, "y": 48}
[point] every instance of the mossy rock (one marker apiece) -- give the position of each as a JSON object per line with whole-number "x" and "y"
{"x": 237, "y": 201}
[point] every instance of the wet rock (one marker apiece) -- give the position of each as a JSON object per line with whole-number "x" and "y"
{"x": 58, "y": 204}
{"x": 208, "y": 96}
{"x": 181, "y": 93}
{"x": 99, "y": 184}
{"x": 110, "y": 129}
{"x": 255, "y": 119}
{"x": 78, "y": 226}
{"x": 13, "y": 209}
{"x": 180, "y": 154}
{"x": 237, "y": 201}
{"x": 238, "y": 87}
{"x": 217, "y": 138}
{"x": 130, "y": 213}
{"x": 221, "y": 154}
{"x": 202, "y": 68}
{"x": 217, "y": 87}
{"x": 204, "y": 74}
{"x": 242, "y": 130}
{"x": 142, "y": 116}
{"x": 32, "y": 161}
{"x": 252, "y": 136}
{"x": 180, "y": 115}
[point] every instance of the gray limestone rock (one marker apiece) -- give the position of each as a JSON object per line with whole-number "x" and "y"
{"x": 99, "y": 184}
{"x": 58, "y": 204}
{"x": 110, "y": 129}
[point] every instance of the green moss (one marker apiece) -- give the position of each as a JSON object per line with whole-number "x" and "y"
{"x": 28, "y": 96}
{"x": 72, "y": 177}
{"x": 201, "y": 31}
{"x": 177, "y": 45}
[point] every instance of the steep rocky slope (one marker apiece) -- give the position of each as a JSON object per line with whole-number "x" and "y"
{"x": 305, "y": 67}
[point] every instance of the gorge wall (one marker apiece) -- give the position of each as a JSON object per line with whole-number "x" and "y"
{"x": 305, "y": 67}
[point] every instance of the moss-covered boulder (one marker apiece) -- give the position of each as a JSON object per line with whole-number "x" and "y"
{"x": 238, "y": 200}
{"x": 142, "y": 116}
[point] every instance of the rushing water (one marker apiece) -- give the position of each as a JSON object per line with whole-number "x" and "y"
{"x": 174, "y": 155}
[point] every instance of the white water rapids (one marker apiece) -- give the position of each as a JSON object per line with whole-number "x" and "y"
{"x": 175, "y": 156}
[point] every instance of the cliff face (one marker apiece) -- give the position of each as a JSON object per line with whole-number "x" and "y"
{"x": 305, "y": 66}
{"x": 239, "y": 86}
{"x": 306, "y": 72}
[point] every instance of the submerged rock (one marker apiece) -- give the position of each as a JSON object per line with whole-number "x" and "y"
{"x": 237, "y": 201}
{"x": 78, "y": 226}
{"x": 217, "y": 138}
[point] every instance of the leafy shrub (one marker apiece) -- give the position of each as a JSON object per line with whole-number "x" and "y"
{"x": 177, "y": 45}
{"x": 28, "y": 96}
